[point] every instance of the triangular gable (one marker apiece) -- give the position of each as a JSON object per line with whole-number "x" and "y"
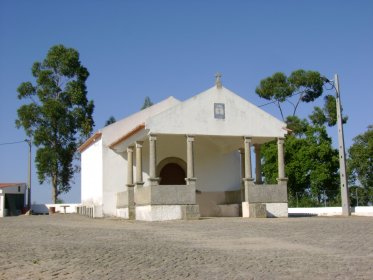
{"x": 115, "y": 133}
{"x": 217, "y": 111}
{"x": 117, "y": 130}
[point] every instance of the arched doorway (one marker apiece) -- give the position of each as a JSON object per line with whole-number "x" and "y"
{"x": 172, "y": 171}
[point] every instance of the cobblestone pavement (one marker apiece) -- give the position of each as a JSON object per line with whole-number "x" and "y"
{"x": 75, "y": 247}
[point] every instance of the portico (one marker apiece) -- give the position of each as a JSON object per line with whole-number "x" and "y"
{"x": 197, "y": 195}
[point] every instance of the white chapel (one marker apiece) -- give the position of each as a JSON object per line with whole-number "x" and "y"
{"x": 184, "y": 160}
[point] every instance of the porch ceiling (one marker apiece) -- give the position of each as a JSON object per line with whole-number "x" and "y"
{"x": 230, "y": 143}
{"x": 223, "y": 143}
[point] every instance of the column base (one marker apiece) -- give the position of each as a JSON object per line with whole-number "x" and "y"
{"x": 254, "y": 210}
{"x": 282, "y": 181}
{"x": 131, "y": 203}
{"x": 248, "y": 179}
{"x": 191, "y": 181}
{"x": 247, "y": 183}
{"x": 154, "y": 181}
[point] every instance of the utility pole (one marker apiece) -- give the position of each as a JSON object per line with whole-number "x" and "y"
{"x": 29, "y": 175}
{"x": 346, "y": 211}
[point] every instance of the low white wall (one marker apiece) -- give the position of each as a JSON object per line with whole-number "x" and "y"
{"x": 43, "y": 208}
{"x": 331, "y": 211}
{"x": 159, "y": 212}
{"x": 277, "y": 210}
{"x": 122, "y": 213}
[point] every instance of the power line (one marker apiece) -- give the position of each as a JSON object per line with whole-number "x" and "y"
{"x": 275, "y": 101}
{"x": 11, "y": 143}
{"x": 267, "y": 103}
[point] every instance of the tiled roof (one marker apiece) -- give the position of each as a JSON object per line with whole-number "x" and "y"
{"x": 7, "y": 185}
{"x": 91, "y": 139}
{"x": 128, "y": 135}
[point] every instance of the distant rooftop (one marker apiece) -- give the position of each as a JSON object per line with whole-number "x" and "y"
{"x": 7, "y": 185}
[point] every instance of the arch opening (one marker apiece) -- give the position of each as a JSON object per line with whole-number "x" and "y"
{"x": 172, "y": 171}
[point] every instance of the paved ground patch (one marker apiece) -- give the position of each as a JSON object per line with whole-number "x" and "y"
{"x": 75, "y": 247}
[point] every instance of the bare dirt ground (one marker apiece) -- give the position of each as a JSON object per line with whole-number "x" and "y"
{"x": 75, "y": 247}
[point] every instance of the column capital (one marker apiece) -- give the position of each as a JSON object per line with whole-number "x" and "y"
{"x": 280, "y": 140}
{"x": 247, "y": 139}
{"x": 139, "y": 184}
{"x": 139, "y": 144}
{"x": 152, "y": 137}
{"x": 130, "y": 149}
{"x": 190, "y": 137}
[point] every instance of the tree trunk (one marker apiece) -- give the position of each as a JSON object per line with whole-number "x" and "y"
{"x": 54, "y": 190}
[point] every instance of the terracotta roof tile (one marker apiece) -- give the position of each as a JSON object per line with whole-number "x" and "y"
{"x": 8, "y": 185}
{"x": 129, "y": 134}
{"x": 89, "y": 142}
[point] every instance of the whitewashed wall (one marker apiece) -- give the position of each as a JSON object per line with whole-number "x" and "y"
{"x": 331, "y": 211}
{"x": 215, "y": 168}
{"x": 114, "y": 179}
{"x": 91, "y": 174}
{"x": 196, "y": 116}
{"x": 2, "y": 204}
{"x": 44, "y": 208}
{"x": 12, "y": 190}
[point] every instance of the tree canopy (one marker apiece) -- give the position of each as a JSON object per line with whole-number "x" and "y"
{"x": 110, "y": 121}
{"x": 360, "y": 161}
{"x": 58, "y": 116}
{"x": 147, "y": 103}
{"x": 311, "y": 162}
{"x": 360, "y": 167}
{"x": 307, "y": 85}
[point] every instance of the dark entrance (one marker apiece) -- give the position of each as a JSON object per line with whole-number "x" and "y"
{"x": 14, "y": 203}
{"x": 172, "y": 174}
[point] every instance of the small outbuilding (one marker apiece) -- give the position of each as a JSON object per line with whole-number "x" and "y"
{"x": 12, "y": 199}
{"x": 184, "y": 159}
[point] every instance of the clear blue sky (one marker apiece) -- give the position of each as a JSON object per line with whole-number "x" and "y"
{"x": 135, "y": 49}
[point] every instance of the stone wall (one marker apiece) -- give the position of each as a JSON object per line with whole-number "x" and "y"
{"x": 165, "y": 195}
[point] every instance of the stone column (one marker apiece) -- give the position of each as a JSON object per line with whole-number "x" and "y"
{"x": 191, "y": 180}
{"x": 139, "y": 180}
{"x": 248, "y": 170}
{"x": 242, "y": 157}
{"x": 130, "y": 185}
{"x": 153, "y": 160}
{"x": 258, "y": 165}
{"x": 248, "y": 180}
{"x": 130, "y": 166}
{"x": 281, "y": 163}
